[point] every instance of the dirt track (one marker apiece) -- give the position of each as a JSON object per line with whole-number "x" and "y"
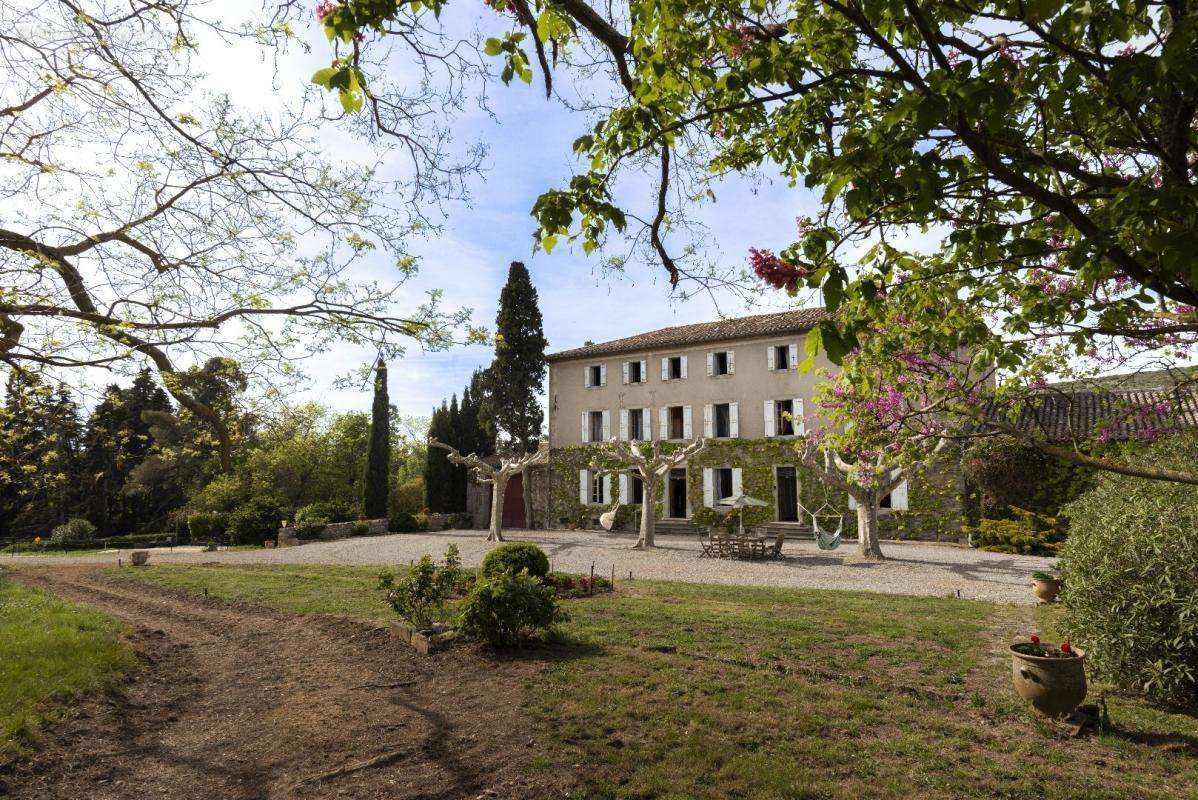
{"x": 241, "y": 703}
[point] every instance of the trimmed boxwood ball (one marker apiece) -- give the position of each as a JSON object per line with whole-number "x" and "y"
{"x": 515, "y": 557}
{"x": 1130, "y": 571}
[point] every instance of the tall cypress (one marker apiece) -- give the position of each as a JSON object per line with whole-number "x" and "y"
{"x": 378, "y": 457}
{"x": 436, "y": 462}
{"x": 517, "y": 375}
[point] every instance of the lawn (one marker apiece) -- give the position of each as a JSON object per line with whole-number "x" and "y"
{"x": 668, "y": 690}
{"x": 50, "y": 650}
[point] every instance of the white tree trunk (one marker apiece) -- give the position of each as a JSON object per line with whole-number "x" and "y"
{"x": 498, "y": 489}
{"x": 648, "y": 514}
{"x": 868, "y": 545}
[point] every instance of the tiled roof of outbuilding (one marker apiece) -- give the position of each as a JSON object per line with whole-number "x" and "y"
{"x": 1064, "y": 416}
{"x": 759, "y": 325}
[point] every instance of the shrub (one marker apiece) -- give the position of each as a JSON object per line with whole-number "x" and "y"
{"x": 206, "y": 525}
{"x": 255, "y": 521}
{"x": 1029, "y": 533}
{"x": 404, "y": 522}
{"x": 566, "y": 584}
{"x": 504, "y": 609}
{"x": 1009, "y": 475}
{"x": 419, "y": 596}
{"x": 139, "y": 540}
{"x": 328, "y": 510}
{"x": 75, "y": 529}
{"x": 514, "y": 558}
{"x": 1130, "y": 569}
{"x": 408, "y": 496}
{"x": 359, "y": 529}
{"x": 461, "y": 521}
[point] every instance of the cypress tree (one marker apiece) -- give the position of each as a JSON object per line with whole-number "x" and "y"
{"x": 378, "y": 457}
{"x": 456, "y": 495}
{"x": 436, "y": 462}
{"x": 517, "y": 375}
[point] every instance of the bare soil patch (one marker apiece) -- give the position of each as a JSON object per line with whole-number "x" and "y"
{"x": 246, "y": 703}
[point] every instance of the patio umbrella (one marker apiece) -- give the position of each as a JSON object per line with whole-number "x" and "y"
{"x": 740, "y": 502}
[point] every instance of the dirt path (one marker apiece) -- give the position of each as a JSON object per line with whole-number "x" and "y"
{"x": 247, "y": 704}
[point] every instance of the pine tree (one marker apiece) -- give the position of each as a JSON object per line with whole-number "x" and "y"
{"x": 517, "y": 375}
{"x": 378, "y": 457}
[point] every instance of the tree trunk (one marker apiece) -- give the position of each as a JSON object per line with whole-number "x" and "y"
{"x": 868, "y": 546}
{"x": 526, "y": 486}
{"x": 498, "y": 489}
{"x": 648, "y": 515}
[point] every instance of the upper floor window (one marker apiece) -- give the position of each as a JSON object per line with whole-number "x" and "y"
{"x": 675, "y": 422}
{"x": 635, "y": 372}
{"x": 634, "y": 424}
{"x": 720, "y": 420}
{"x": 784, "y": 417}
{"x": 782, "y": 356}
{"x": 673, "y": 368}
{"x": 722, "y": 362}
{"x": 595, "y": 426}
{"x": 595, "y": 375}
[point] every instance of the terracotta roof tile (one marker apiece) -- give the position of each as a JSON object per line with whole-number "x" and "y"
{"x": 1064, "y": 416}
{"x": 758, "y": 325}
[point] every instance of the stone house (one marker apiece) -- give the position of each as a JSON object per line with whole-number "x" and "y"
{"x": 734, "y": 381}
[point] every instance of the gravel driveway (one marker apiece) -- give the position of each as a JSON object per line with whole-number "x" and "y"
{"x": 913, "y": 568}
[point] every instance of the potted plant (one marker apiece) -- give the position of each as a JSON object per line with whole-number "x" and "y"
{"x": 1046, "y": 585}
{"x": 1051, "y": 677}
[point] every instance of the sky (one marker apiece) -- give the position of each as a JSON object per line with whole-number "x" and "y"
{"x": 529, "y": 140}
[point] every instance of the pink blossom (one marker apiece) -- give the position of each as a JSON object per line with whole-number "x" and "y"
{"x": 324, "y": 8}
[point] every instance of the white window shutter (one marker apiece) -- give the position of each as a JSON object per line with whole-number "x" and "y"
{"x": 624, "y": 424}
{"x": 800, "y": 423}
{"x": 606, "y": 488}
{"x": 734, "y": 420}
{"x": 731, "y": 362}
{"x": 665, "y": 369}
{"x": 603, "y": 374}
{"x": 586, "y": 377}
{"x": 644, "y": 371}
{"x": 686, "y": 422}
{"x": 606, "y": 425}
{"x": 707, "y": 487}
{"x": 584, "y": 487}
{"x": 710, "y": 364}
{"x": 684, "y": 366}
{"x": 626, "y": 363}
{"x": 736, "y": 484}
{"x": 794, "y": 355}
{"x": 769, "y": 357}
{"x": 707, "y": 426}
{"x": 586, "y": 432}
{"x": 625, "y": 495}
{"x": 769, "y": 418}
{"x": 898, "y": 497}
{"x": 646, "y": 424}
{"x": 663, "y": 415}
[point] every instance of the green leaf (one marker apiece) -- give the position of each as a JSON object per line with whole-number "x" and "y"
{"x": 493, "y": 47}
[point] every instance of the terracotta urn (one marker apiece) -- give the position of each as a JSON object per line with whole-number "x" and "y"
{"x": 1053, "y": 685}
{"x": 139, "y": 558}
{"x": 1046, "y": 588}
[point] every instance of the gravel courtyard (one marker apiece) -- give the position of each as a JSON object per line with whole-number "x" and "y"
{"x": 912, "y": 568}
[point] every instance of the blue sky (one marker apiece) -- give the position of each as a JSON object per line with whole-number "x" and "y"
{"x": 529, "y": 142}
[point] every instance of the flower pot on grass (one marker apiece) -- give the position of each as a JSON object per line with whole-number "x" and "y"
{"x": 138, "y": 558}
{"x": 1046, "y": 586}
{"x": 1052, "y": 678}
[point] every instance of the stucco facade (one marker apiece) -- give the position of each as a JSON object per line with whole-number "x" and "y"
{"x": 735, "y": 382}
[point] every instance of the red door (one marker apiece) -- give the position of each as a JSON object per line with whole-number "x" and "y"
{"x": 513, "y": 503}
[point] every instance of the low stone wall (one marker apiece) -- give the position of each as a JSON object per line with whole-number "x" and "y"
{"x": 289, "y": 536}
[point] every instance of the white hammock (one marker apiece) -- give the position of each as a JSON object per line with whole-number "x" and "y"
{"x": 824, "y": 539}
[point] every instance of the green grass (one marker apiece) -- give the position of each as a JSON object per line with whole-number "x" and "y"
{"x": 667, "y": 690}
{"x": 50, "y": 650}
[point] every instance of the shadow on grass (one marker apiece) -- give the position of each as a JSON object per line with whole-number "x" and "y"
{"x": 1175, "y": 742}
{"x": 557, "y": 647}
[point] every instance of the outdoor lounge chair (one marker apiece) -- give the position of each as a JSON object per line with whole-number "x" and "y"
{"x": 707, "y": 545}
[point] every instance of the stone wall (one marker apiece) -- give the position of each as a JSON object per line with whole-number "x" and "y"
{"x": 289, "y": 536}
